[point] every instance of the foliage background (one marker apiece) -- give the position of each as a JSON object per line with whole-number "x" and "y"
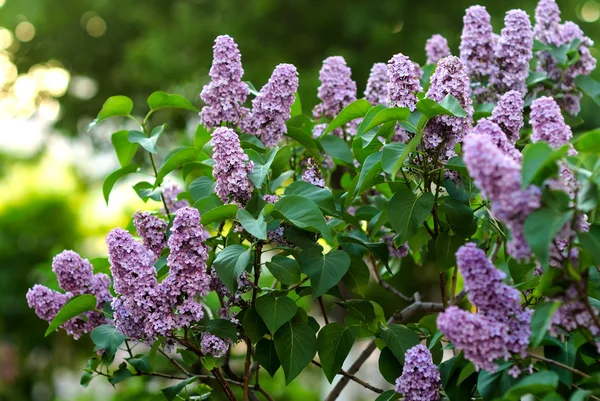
{"x": 59, "y": 61}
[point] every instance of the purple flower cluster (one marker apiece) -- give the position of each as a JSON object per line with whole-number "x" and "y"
{"x": 337, "y": 89}
{"x": 404, "y": 82}
{"x": 420, "y": 379}
{"x": 213, "y": 345}
{"x": 436, "y": 49}
{"x": 396, "y": 252}
{"x": 170, "y": 194}
{"x": 513, "y": 53}
{"x": 231, "y": 167}
{"x": 76, "y": 277}
{"x": 508, "y": 114}
{"x": 313, "y": 174}
{"x": 573, "y": 314}
{"x": 152, "y": 230}
{"x": 476, "y": 45}
{"x": 498, "y": 137}
{"x": 226, "y": 93}
{"x": 499, "y": 178}
{"x": 494, "y": 299}
{"x": 449, "y": 78}
{"x": 481, "y": 339}
{"x": 271, "y": 107}
{"x": 548, "y": 124}
{"x": 547, "y": 22}
{"x": 376, "y": 91}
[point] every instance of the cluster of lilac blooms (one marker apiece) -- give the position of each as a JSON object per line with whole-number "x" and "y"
{"x": 226, "y": 93}
{"x": 420, "y": 379}
{"x": 171, "y": 194}
{"x": 436, "y": 48}
{"x": 76, "y": 277}
{"x": 231, "y": 167}
{"x": 477, "y": 45}
{"x": 499, "y": 310}
{"x": 549, "y": 31}
{"x": 271, "y": 107}
{"x": 312, "y": 174}
{"x": 396, "y": 252}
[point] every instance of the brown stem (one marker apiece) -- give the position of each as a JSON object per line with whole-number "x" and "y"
{"x": 224, "y": 384}
{"x": 384, "y": 284}
{"x": 453, "y": 290}
{"x": 174, "y": 362}
{"x": 560, "y": 365}
{"x": 592, "y": 397}
{"x": 247, "y": 370}
{"x": 443, "y": 288}
{"x": 353, "y": 378}
{"x": 323, "y": 310}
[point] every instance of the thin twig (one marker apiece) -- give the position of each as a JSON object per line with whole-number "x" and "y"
{"x": 384, "y": 284}
{"x": 560, "y": 365}
{"x": 353, "y": 378}
{"x": 453, "y": 289}
{"x": 174, "y": 362}
{"x": 592, "y": 397}
{"x": 323, "y": 310}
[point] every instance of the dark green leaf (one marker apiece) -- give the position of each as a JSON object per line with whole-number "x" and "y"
{"x": 391, "y": 157}
{"x": 305, "y": 139}
{"x": 590, "y": 241}
{"x": 230, "y": 263}
{"x": 321, "y": 196}
{"x": 324, "y": 271}
{"x": 407, "y": 212}
{"x": 357, "y": 277}
{"x": 399, "y": 339}
{"x": 253, "y": 325}
{"x": 176, "y": 158}
{"x": 379, "y": 249}
{"x": 370, "y": 169}
{"x": 389, "y": 395}
{"x": 257, "y": 227}
{"x": 222, "y": 328}
{"x": 141, "y": 364}
{"x": 202, "y": 187}
{"x": 108, "y": 338}
{"x": 161, "y": 100}
{"x": 73, "y": 308}
{"x": 354, "y": 110}
{"x": 445, "y": 250}
{"x": 539, "y": 383}
{"x": 387, "y": 115}
{"x": 535, "y": 77}
{"x": 337, "y": 148}
{"x": 113, "y": 106}
{"x": 589, "y": 86}
{"x": 542, "y": 317}
{"x": 113, "y": 177}
{"x": 286, "y": 270}
{"x": 334, "y": 343}
{"x": 120, "y": 374}
{"x": 172, "y": 391}
{"x": 389, "y": 367}
{"x": 125, "y": 150}
{"x": 540, "y": 162}
{"x": 541, "y": 226}
{"x": 302, "y": 213}
{"x": 296, "y": 345}
{"x": 275, "y": 312}
{"x": 267, "y": 356}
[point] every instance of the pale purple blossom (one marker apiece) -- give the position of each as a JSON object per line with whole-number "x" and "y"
{"x": 548, "y": 123}
{"x": 436, "y": 49}
{"x": 152, "y": 230}
{"x": 213, "y": 345}
{"x": 272, "y": 199}
{"x": 312, "y": 174}
{"x": 420, "y": 379}
{"x": 547, "y": 20}
{"x": 376, "y": 91}
{"x": 573, "y": 314}
{"x": 396, "y": 252}
{"x": 403, "y": 84}
{"x": 476, "y": 45}
{"x": 337, "y": 88}
{"x": 508, "y": 114}
{"x": 513, "y": 53}
{"x": 171, "y": 194}
{"x": 231, "y": 167}
{"x": 74, "y": 274}
{"x": 226, "y": 93}
{"x": 494, "y": 132}
{"x": 272, "y": 106}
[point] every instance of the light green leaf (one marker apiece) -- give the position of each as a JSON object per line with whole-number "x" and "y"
{"x": 540, "y": 162}
{"x": 321, "y": 196}
{"x": 354, "y": 110}
{"x": 257, "y": 227}
{"x": 113, "y": 177}
{"x": 148, "y": 143}
{"x": 161, "y": 100}
{"x": 296, "y": 108}
{"x": 261, "y": 165}
{"x": 176, "y": 158}
{"x": 541, "y": 226}
{"x": 449, "y": 106}
{"x": 113, "y": 106}
{"x": 389, "y": 395}
{"x": 73, "y": 308}
{"x": 537, "y": 384}
{"x": 390, "y": 157}
{"x": 202, "y": 187}
{"x": 230, "y": 263}
{"x": 124, "y": 150}
{"x": 387, "y": 115}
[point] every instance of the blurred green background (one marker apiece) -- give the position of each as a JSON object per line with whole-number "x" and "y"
{"x": 59, "y": 60}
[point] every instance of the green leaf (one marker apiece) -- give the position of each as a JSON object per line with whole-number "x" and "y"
{"x": 580, "y": 395}
{"x": 357, "y": 277}
{"x": 253, "y": 325}
{"x": 208, "y": 361}
{"x": 387, "y": 115}
{"x": 176, "y": 158}
{"x": 324, "y": 271}
{"x": 589, "y": 86}
{"x": 537, "y": 384}
{"x": 492, "y": 386}
{"x": 337, "y": 148}
{"x": 590, "y": 241}
{"x": 201, "y": 137}
{"x": 141, "y": 364}
{"x": 113, "y": 177}
{"x": 305, "y": 139}
{"x": 449, "y": 106}
{"x": 541, "y": 226}
{"x": 73, "y": 308}
{"x": 334, "y": 344}
{"x": 161, "y": 100}
{"x": 108, "y": 338}
{"x": 148, "y": 143}
{"x": 120, "y": 374}
{"x": 460, "y": 216}
{"x": 370, "y": 169}
{"x": 360, "y": 132}
{"x": 222, "y": 328}
{"x": 257, "y": 227}
{"x": 457, "y": 164}
{"x": 354, "y": 110}
{"x": 266, "y": 355}
{"x": 230, "y": 263}
{"x": 296, "y": 345}
{"x": 302, "y": 213}
{"x": 285, "y": 270}
{"x": 281, "y": 162}
{"x": 296, "y": 108}
{"x": 212, "y": 209}
{"x": 389, "y": 395}
{"x": 542, "y": 317}
{"x": 539, "y": 162}
{"x": 321, "y": 196}
{"x": 202, "y": 187}
{"x": 261, "y": 165}
{"x": 275, "y": 312}
{"x": 172, "y": 391}
{"x": 389, "y": 367}
{"x": 124, "y": 150}
{"x": 399, "y": 339}
{"x": 390, "y": 158}
{"x": 113, "y": 106}
{"x": 407, "y": 212}
{"x": 445, "y": 250}
{"x": 379, "y": 249}
{"x": 146, "y": 191}
{"x": 535, "y": 77}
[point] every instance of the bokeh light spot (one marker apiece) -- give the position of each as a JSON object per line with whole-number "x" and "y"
{"x": 6, "y": 38}
{"x": 95, "y": 26}
{"x": 590, "y": 12}
{"x": 25, "y": 31}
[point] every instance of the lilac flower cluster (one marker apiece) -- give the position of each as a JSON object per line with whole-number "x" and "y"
{"x": 337, "y": 89}
{"x": 573, "y": 314}
{"x": 145, "y": 308}
{"x": 498, "y": 137}
{"x": 548, "y": 124}
{"x": 403, "y": 84}
{"x": 396, "y": 252}
{"x": 244, "y": 284}
{"x": 376, "y": 91}
{"x": 494, "y": 299}
{"x": 272, "y": 106}
{"x": 449, "y": 78}
{"x": 499, "y": 177}
{"x": 226, "y": 93}
{"x": 213, "y": 345}
{"x": 170, "y": 194}
{"x": 508, "y": 114}
{"x": 152, "y": 230}
{"x": 420, "y": 379}
{"x": 548, "y": 30}
{"x": 76, "y": 277}
{"x": 231, "y": 167}
{"x": 313, "y": 174}
{"x": 476, "y": 46}
{"x": 513, "y": 53}
{"x": 436, "y": 48}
